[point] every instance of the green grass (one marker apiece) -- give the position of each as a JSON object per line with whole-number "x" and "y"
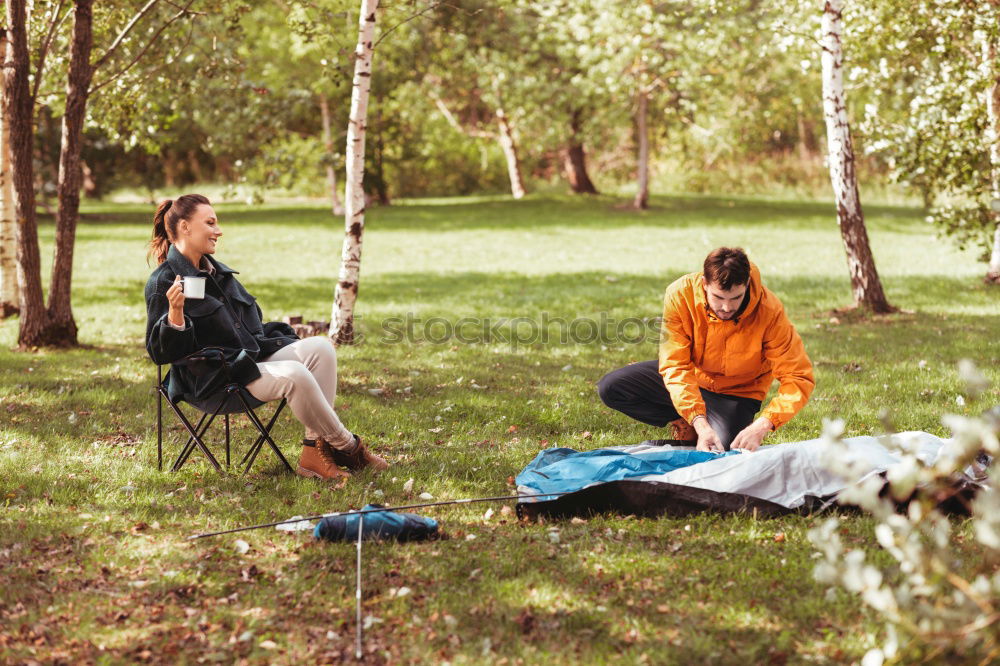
{"x": 93, "y": 562}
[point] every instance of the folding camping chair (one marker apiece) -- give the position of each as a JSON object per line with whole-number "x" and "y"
{"x": 231, "y": 399}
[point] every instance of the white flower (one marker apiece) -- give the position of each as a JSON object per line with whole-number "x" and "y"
{"x": 873, "y": 657}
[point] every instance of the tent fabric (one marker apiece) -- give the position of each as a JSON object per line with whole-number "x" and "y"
{"x": 774, "y": 479}
{"x": 560, "y": 470}
{"x": 377, "y": 525}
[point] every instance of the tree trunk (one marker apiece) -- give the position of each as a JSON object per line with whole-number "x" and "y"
{"x": 61, "y": 324}
{"x": 575, "y": 159}
{"x": 342, "y": 328}
{"x": 18, "y": 111}
{"x": 993, "y": 143}
{"x": 170, "y": 169}
{"x": 642, "y": 195}
{"x": 807, "y": 139}
{"x": 331, "y": 174}
{"x": 90, "y": 187}
{"x": 8, "y": 216}
{"x": 509, "y": 146}
{"x": 865, "y": 281}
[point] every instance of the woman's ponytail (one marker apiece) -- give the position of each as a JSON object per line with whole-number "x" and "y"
{"x": 160, "y": 242}
{"x": 165, "y": 221}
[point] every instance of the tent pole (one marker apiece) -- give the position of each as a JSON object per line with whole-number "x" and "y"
{"x": 378, "y": 510}
{"x": 357, "y": 647}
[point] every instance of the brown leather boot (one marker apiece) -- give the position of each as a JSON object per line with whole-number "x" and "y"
{"x": 682, "y": 431}
{"x": 358, "y": 459}
{"x": 317, "y": 463}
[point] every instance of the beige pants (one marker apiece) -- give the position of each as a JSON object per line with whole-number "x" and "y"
{"x": 305, "y": 374}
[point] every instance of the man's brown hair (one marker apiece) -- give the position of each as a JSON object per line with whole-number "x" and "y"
{"x": 727, "y": 267}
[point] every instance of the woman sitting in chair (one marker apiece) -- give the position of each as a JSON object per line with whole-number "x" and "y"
{"x": 267, "y": 359}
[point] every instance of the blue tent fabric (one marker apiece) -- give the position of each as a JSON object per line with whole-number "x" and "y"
{"x": 377, "y": 525}
{"x": 563, "y": 470}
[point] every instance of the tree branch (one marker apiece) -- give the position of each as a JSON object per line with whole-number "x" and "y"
{"x": 43, "y": 49}
{"x": 430, "y": 7}
{"x": 124, "y": 33}
{"x": 148, "y": 74}
{"x": 152, "y": 40}
{"x": 443, "y": 108}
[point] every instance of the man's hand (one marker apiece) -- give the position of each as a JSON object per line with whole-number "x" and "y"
{"x": 175, "y": 297}
{"x": 707, "y": 439}
{"x": 750, "y": 437}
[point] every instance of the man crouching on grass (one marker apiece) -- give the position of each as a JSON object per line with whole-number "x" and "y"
{"x": 724, "y": 339}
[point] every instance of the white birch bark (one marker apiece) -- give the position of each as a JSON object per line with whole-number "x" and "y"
{"x": 509, "y": 146}
{"x": 8, "y": 216}
{"x": 865, "y": 283}
{"x": 642, "y": 194}
{"x": 993, "y": 143}
{"x": 336, "y": 204}
{"x": 342, "y": 317}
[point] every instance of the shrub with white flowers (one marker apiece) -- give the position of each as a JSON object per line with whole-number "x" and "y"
{"x": 936, "y": 605}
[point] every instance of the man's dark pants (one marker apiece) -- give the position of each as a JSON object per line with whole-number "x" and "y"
{"x": 637, "y": 390}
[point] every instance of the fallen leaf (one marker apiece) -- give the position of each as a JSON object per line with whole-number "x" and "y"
{"x": 526, "y": 620}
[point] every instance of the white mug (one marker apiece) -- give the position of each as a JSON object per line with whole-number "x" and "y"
{"x": 194, "y": 287}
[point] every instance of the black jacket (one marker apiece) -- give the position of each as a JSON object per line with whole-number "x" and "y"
{"x": 228, "y": 318}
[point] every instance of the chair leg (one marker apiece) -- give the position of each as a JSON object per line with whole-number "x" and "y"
{"x": 195, "y": 439}
{"x": 190, "y": 445}
{"x": 159, "y": 418}
{"x": 227, "y": 440}
{"x": 259, "y": 442}
{"x": 265, "y": 434}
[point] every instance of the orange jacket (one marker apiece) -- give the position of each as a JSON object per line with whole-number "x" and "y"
{"x": 738, "y": 357}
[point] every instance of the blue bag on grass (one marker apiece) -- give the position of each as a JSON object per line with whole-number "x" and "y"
{"x": 377, "y": 525}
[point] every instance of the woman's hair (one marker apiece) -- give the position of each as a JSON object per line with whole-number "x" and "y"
{"x": 168, "y": 214}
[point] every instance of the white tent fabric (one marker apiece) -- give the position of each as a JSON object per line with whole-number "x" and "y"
{"x": 787, "y": 473}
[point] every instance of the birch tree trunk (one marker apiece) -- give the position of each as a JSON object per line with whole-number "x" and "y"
{"x": 642, "y": 195}
{"x": 346, "y": 294}
{"x": 993, "y": 143}
{"x": 509, "y": 146}
{"x": 8, "y": 215}
{"x": 331, "y": 174}
{"x": 62, "y": 327}
{"x": 575, "y": 159}
{"x": 865, "y": 283}
{"x": 18, "y": 112}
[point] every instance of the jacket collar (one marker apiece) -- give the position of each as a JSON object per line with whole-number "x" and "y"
{"x": 182, "y": 266}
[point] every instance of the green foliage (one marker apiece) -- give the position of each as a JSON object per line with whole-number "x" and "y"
{"x": 231, "y": 95}
{"x": 925, "y": 72}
